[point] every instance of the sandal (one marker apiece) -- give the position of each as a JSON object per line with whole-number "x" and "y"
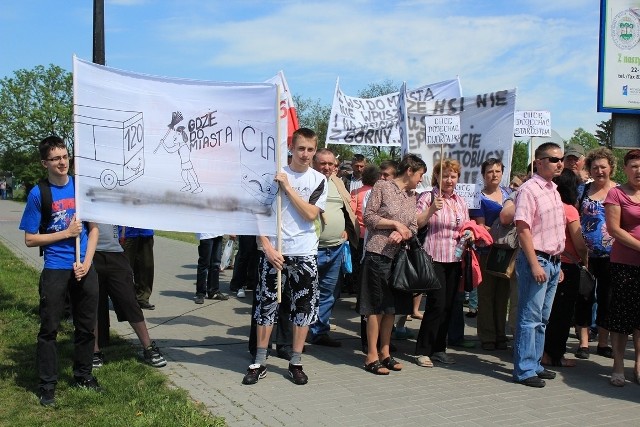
{"x": 424, "y": 361}
{"x": 376, "y": 368}
{"x": 617, "y": 380}
{"x": 392, "y": 364}
{"x": 417, "y": 316}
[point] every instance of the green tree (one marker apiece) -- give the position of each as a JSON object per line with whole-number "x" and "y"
{"x": 519, "y": 160}
{"x": 604, "y": 133}
{"x": 585, "y": 139}
{"x": 35, "y": 103}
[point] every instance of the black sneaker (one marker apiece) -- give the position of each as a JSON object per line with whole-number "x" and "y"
{"x": 199, "y": 299}
{"x": 90, "y": 383}
{"x": 254, "y": 373}
{"x": 47, "y": 397}
{"x": 546, "y": 374}
{"x": 297, "y": 375}
{"x": 218, "y": 296}
{"x": 582, "y": 353}
{"x": 98, "y": 359}
{"x": 153, "y": 357}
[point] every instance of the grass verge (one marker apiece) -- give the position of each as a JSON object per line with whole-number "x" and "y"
{"x": 177, "y": 235}
{"x": 135, "y": 394}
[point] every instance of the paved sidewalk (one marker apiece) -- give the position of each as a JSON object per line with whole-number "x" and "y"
{"x": 206, "y": 346}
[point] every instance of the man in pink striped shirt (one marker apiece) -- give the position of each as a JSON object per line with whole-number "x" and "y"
{"x": 540, "y": 222}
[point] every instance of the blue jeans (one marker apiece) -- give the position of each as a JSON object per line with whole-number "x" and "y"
{"x": 329, "y": 265}
{"x": 473, "y": 299}
{"x": 534, "y": 308}
{"x": 208, "y": 273}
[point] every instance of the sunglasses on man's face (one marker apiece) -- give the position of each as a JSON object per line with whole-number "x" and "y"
{"x": 552, "y": 159}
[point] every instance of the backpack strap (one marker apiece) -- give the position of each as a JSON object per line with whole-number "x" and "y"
{"x": 46, "y": 200}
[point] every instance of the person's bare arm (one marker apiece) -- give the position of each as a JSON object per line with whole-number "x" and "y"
{"x": 273, "y": 256}
{"x": 37, "y": 239}
{"x": 81, "y": 269}
{"x": 612, "y": 214}
{"x": 575, "y": 232}
{"x": 507, "y": 213}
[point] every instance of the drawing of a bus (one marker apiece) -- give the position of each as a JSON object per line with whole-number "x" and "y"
{"x": 111, "y": 142}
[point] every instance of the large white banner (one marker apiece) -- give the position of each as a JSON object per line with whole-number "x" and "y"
{"x": 374, "y": 121}
{"x": 486, "y": 123}
{"x": 175, "y": 154}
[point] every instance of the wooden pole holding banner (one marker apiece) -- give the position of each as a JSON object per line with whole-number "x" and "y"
{"x": 531, "y": 155}
{"x": 278, "y": 195}
{"x": 441, "y": 163}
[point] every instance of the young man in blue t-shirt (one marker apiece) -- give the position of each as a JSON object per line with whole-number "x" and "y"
{"x": 62, "y": 275}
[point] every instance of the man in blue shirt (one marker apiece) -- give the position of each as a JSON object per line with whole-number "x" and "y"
{"x": 62, "y": 274}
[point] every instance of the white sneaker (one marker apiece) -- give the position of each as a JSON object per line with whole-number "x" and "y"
{"x": 241, "y": 293}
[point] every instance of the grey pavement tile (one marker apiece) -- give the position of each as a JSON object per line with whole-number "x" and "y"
{"x": 206, "y": 347}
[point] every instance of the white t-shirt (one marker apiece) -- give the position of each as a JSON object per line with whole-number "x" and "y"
{"x": 299, "y": 236}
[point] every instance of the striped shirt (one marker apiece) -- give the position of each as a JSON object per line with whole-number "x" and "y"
{"x": 444, "y": 225}
{"x": 539, "y": 205}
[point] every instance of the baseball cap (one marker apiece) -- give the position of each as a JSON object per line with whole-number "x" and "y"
{"x": 574, "y": 150}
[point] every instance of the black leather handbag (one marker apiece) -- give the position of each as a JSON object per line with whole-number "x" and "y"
{"x": 412, "y": 269}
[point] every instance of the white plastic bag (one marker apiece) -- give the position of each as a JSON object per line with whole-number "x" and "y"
{"x": 226, "y": 255}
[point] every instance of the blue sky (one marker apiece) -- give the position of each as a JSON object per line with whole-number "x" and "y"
{"x": 548, "y": 50}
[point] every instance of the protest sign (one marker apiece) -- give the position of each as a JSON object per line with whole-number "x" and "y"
{"x": 470, "y": 193}
{"x": 442, "y": 129}
{"x": 175, "y": 154}
{"x": 532, "y": 123}
{"x": 374, "y": 121}
{"x": 486, "y": 131}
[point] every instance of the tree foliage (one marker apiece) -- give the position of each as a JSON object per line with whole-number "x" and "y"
{"x": 584, "y": 139}
{"x": 519, "y": 161}
{"x": 604, "y": 133}
{"x": 35, "y": 103}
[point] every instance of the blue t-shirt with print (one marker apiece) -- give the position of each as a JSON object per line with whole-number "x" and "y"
{"x": 62, "y": 254}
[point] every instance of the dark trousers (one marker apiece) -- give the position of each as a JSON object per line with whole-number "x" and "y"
{"x": 139, "y": 251}
{"x": 208, "y": 273}
{"x": 283, "y": 327}
{"x": 54, "y": 287}
{"x": 561, "y": 318}
{"x": 432, "y": 337}
{"x": 245, "y": 266}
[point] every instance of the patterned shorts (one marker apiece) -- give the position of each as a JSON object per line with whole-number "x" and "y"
{"x": 624, "y": 309}
{"x": 299, "y": 281}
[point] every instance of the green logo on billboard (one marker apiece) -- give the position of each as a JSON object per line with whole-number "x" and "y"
{"x": 625, "y": 29}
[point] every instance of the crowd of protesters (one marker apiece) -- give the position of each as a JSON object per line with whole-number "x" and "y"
{"x": 567, "y": 214}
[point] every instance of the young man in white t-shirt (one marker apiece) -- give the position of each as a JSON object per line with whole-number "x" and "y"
{"x": 303, "y": 199}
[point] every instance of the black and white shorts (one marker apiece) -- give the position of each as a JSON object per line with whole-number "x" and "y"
{"x": 299, "y": 281}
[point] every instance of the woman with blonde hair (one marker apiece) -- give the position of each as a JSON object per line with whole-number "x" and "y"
{"x": 444, "y": 213}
